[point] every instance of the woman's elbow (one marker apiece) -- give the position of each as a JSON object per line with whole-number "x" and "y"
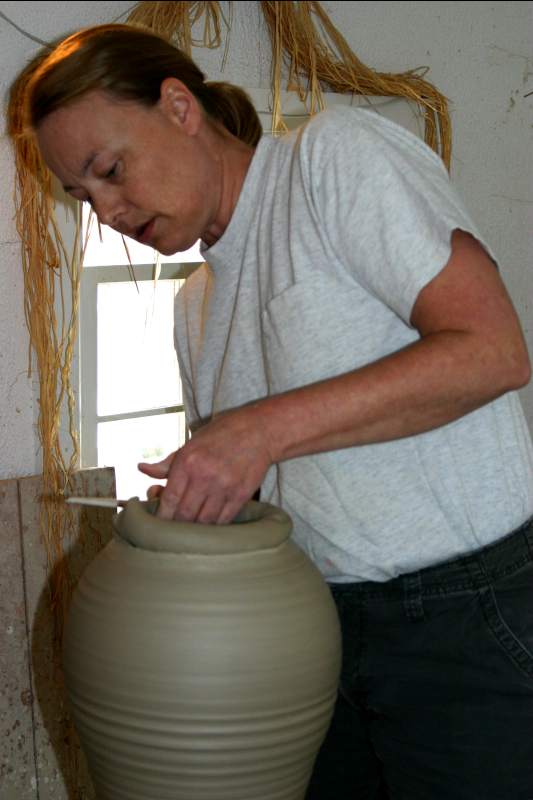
{"x": 525, "y": 372}
{"x": 518, "y": 368}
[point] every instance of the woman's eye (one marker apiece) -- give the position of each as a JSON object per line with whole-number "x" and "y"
{"x": 111, "y": 172}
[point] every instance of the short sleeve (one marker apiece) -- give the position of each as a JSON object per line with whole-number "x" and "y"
{"x": 388, "y": 206}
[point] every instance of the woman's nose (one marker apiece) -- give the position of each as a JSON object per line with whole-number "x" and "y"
{"x": 108, "y": 207}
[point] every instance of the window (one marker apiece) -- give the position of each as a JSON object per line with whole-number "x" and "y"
{"x": 129, "y": 390}
{"x": 130, "y": 394}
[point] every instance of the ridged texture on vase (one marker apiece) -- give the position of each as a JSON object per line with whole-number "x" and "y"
{"x": 202, "y": 676}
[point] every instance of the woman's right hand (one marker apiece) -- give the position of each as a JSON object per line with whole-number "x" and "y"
{"x": 216, "y": 472}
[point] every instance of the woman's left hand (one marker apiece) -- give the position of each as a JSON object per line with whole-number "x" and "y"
{"x": 213, "y": 475}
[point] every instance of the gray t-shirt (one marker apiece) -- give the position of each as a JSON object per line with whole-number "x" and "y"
{"x": 337, "y": 229}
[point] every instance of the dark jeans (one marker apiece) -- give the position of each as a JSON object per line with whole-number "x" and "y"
{"x": 436, "y": 693}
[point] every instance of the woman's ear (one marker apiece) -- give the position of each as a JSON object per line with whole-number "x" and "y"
{"x": 179, "y": 105}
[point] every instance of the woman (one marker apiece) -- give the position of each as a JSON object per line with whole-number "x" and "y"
{"x": 352, "y": 351}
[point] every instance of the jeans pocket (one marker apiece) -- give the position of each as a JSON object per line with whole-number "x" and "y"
{"x": 508, "y": 609}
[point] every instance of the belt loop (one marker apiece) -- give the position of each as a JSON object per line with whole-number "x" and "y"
{"x": 528, "y": 533}
{"x": 475, "y": 566}
{"x": 412, "y": 597}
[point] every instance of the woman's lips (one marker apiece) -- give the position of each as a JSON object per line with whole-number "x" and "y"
{"x": 144, "y": 234}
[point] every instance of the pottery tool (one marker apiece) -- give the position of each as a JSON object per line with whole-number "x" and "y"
{"x": 102, "y": 502}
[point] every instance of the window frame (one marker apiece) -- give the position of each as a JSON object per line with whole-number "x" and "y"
{"x": 92, "y": 278}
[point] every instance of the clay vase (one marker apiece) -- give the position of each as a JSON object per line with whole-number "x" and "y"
{"x": 201, "y": 661}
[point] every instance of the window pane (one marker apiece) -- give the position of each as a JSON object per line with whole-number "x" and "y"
{"x": 110, "y": 249}
{"x": 137, "y": 368}
{"x": 123, "y": 443}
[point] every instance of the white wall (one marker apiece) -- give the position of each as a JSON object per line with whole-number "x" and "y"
{"x": 480, "y": 56}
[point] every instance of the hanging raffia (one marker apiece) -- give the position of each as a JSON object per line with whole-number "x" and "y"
{"x": 51, "y": 284}
{"x": 176, "y": 20}
{"x": 317, "y": 57}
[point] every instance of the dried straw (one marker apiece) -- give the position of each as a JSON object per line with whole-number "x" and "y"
{"x": 51, "y": 277}
{"x": 175, "y": 21}
{"x": 51, "y": 282}
{"x": 318, "y": 56}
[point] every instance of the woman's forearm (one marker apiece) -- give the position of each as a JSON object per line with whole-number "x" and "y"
{"x": 426, "y": 385}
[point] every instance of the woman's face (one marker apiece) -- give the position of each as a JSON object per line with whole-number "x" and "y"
{"x": 151, "y": 173}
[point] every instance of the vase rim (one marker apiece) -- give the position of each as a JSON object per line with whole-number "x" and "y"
{"x": 258, "y": 526}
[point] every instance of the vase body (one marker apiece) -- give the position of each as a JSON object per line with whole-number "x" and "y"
{"x": 201, "y": 661}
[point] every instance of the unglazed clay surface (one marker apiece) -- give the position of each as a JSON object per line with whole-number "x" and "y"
{"x": 202, "y": 661}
